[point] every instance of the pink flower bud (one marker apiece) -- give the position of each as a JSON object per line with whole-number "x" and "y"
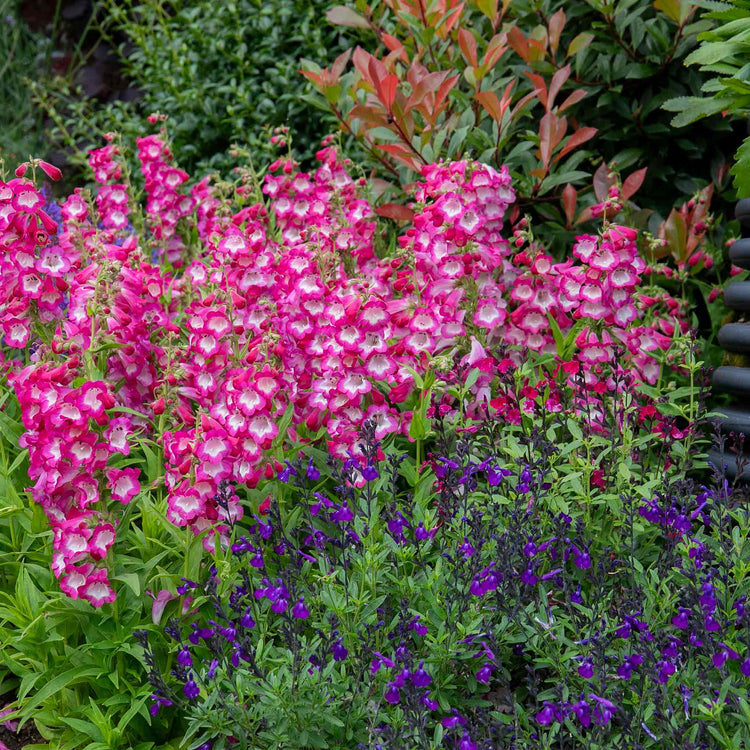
{"x": 50, "y": 170}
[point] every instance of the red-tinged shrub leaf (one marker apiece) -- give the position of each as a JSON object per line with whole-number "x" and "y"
{"x": 488, "y": 8}
{"x": 539, "y": 173}
{"x": 523, "y": 101}
{"x": 449, "y": 21}
{"x": 556, "y": 84}
{"x": 339, "y": 64}
{"x": 386, "y": 89}
{"x": 633, "y": 182}
{"x": 378, "y": 186}
{"x": 394, "y": 45}
{"x": 340, "y": 15}
{"x": 373, "y": 116}
{"x": 556, "y": 25}
{"x": 569, "y": 202}
{"x": 540, "y": 86}
{"x": 545, "y": 139}
{"x": 429, "y": 84}
{"x": 316, "y": 78}
{"x": 375, "y": 69}
{"x": 580, "y": 136}
{"x": 395, "y": 211}
{"x": 490, "y": 102}
{"x": 495, "y": 50}
{"x": 402, "y": 154}
{"x": 585, "y": 215}
{"x": 468, "y": 45}
{"x": 674, "y": 231}
{"x": 445, "y": 88}
{"x": 577, "y": 44}
{"x": 361, "y": 60}
{"x": 519, "y": 44}
{"x": 602, "y": 182}
{"x": 572, "y": 99}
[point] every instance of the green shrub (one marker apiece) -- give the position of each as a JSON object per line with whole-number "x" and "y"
{"x": 20, "y": 52}
{"x": 221, "y": 72}
{"x": 723, "y": 51}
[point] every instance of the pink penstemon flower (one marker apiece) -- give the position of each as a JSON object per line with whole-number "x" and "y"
{"x": 277, "y": 321}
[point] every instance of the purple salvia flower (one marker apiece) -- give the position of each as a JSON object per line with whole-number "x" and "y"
{"x": 279, "y": 606}
{"x": 427, "y": 701}
{"x": 420, "y": 678}
{"x": 484, "y": 674}
{"x": 370, "y": 473}
{"x": 184, "y": 658}
{"x": 299, "y": 610}
{"x": 546, "y": 715}
{"x": 339, "y": 651}
{"x": 392, "y": 693}
{"x": 312, "y": 473}
{"x": 191, "y": 689}
{"x": 681, "y": 619}
{"x": 582, "y": 710}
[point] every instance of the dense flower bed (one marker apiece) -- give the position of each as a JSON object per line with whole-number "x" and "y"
{"x": 237, "y": 325}
{"x": 538, "y": 572}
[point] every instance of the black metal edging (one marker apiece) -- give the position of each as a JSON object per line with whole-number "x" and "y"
{"x": 735, "y": 337}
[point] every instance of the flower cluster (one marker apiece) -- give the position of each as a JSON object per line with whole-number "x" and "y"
{"x": 261, "y": 323}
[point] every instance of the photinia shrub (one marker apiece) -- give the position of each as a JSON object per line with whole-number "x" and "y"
{"x": 527, "y": 85}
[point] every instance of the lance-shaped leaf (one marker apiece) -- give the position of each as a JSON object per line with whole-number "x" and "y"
{"x": 518, "y": 43}
{"x": 395, "y": 211}
{"x": 577, "y": 44}
{"x": 556, "y": 84}
{"x": 579, "y": 137}
{"x": 540, "y": 86}
{"x": 402, "y": 154}
{"x": 569, "y": 202}
{"x": 395, "y": 46}
{"x": 674, "y": 231}
{"x": 572, "y": 99}
{"x": 495, "y": 50}
{"x": 468, "y": 45}
{"x": 340, "y": 15}
{"x": 633, "y": 182}
{"x": 555, "y": 26}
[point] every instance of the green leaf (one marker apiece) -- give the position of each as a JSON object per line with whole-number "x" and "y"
{"x": 580, "y": 42}
{"x": 741, "y": 170}
{"x": 417, "y": 428}
{"x": 575, "y": 430}
{"x": 10, "y": 429}
{"x": 18, "y": 460}
{"x": 693, "y": 108}
{"x": 66, "y": 679}
{"x": 132, "y": 580}
{"x": 557, "y": 334}
{"x": 471, "y": 378}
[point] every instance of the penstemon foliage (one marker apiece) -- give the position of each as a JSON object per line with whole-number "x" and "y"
{"x": 185, "y": 342}
{"x": 498, "y": 596}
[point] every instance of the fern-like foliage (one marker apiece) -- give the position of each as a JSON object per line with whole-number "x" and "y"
{"x": 724, "y": 51}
